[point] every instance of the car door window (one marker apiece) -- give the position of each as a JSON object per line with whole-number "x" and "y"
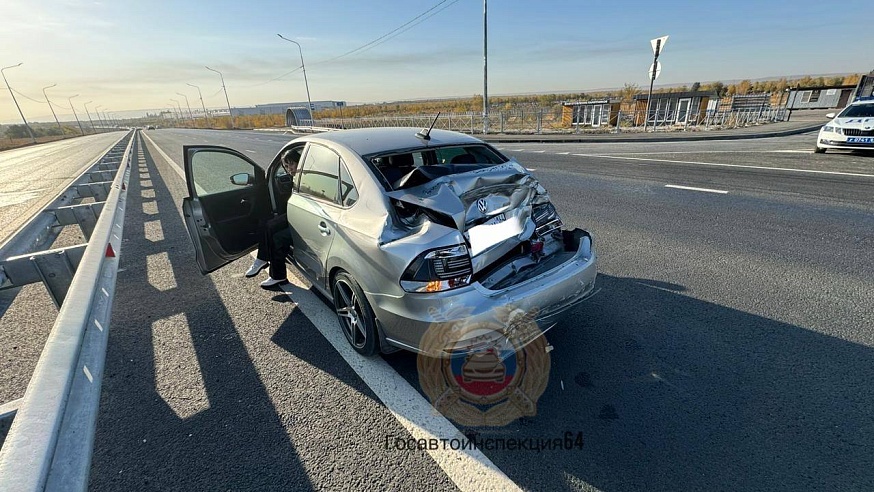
{"x": 348, "y": 193}
{"x": 319, "y": 176}
{"x": 215, "y": 172}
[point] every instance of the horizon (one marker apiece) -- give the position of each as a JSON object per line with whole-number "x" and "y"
{"x": 126, "y": 67}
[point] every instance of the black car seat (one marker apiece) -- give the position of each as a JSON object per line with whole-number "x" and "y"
{"x": 396, "y": 167}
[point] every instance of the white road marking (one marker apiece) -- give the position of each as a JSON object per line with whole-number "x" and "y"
{"x": 531, "y": 168}
{"x": 562, "y": 153}
{"x": 251, "y": 151}
{"x": 692, "y": 188}
{"x": 469, "y": 470}
{"x": 717, "y": 164}
{"x": 539, "y": 151}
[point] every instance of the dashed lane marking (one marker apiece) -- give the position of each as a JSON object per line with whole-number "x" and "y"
{"x": 718, "y": 164}
{"x": 692, "y": 188}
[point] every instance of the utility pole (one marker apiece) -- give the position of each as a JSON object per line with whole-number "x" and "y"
{"x": 485, "y": 66}
{"x": 50, "y": 106}
{"x": 306, "y": 83}
{"x": 230, "y": 113}
{"x": 70, "y": 100}
{"x": 29, "y": 131}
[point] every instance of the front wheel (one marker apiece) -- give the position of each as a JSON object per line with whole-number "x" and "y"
{"x": 818, "y": 150}
{"x": 354, "y": 314}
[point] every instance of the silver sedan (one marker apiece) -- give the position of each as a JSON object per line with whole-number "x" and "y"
{"x": 422, "y": 240}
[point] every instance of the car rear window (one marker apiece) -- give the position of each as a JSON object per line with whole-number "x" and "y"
{"x": 393, "y": 167}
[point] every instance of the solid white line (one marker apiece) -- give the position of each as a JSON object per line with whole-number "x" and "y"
{"x": 166, "y": 157}
{"x": 469, "y": 470}
{"x": 692, "y": 188}
{"x": 717, "y": 164}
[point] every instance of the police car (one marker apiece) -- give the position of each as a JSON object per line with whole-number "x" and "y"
{"x": 852, "y": 129}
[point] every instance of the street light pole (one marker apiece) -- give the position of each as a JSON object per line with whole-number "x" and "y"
{"x": 89, "y": 115}
{"x": 230, "y": 113}
{"x": 50, "y": 106}
{"x": 100, "y": 120}
{"x": 189, "y": 106}
{"x": 181, "y": 114}
{"x": 304, "y": 68}
{"x": 485, "y": 66}
{"x": 70, "y": 100}
{"x": 29, "y": 131}
{"x": 205, "y": 114}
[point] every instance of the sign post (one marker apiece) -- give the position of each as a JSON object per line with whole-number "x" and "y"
{"x": 658, "y": 44}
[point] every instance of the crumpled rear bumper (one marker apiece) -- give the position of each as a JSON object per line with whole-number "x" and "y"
{"x": 437, "y": 323}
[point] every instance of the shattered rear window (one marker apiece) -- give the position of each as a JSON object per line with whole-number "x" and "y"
{"x": 432, "y": 161}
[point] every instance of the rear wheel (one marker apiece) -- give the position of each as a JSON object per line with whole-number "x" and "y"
{"x": 818, "y": 150}
{"x": 354, "y": 314}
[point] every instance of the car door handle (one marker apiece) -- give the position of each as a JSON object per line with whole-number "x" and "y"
{"x": 244, "y": 201}
{"x": 323, "y": 229}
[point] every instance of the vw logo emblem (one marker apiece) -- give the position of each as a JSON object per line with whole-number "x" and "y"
{"x": 481, "y": 205}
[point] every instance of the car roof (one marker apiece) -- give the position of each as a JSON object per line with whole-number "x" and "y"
{"x": 366, "y": 141}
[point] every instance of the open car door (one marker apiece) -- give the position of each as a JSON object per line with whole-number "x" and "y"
{"x": 227, "y": 198}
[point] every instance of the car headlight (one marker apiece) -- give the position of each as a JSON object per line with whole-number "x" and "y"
{"x": 833, "y": 129}
{"x": 438, "y": 270}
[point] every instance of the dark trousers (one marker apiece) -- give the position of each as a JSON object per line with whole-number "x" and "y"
{"x": 275, "y": 244}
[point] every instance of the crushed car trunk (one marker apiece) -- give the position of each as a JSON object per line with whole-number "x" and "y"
{"x": 511, "y": 229}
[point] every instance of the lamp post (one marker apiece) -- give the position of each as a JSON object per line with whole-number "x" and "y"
{"x": 230, "y": 113}
{"x": 205, "y": 114}
{"x": 179, "y": 106}
{"x": 50, "y": 106}
{"x": 485, "y": 66}
{"x": 29, "y": 131}
{"x": 89, "y": 115}
{"x": 189, "y": 105}
{"x": 70, "y": 100}
{"x": 304, "y": 68}
{"x": 100, "y": 120}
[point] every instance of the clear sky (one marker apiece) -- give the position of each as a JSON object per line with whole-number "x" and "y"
{"x": 137, "y": 54}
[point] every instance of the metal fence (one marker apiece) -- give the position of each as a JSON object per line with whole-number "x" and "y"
{"x": 49, "y": 444}
{"x": 538, "y": 120}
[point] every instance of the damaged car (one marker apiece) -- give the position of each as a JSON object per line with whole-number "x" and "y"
{"x": 402, "y": 230}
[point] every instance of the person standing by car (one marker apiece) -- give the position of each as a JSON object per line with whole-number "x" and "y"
{"x": 275, "y": 241}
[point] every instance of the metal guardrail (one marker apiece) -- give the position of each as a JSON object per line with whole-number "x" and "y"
{"x": 49, "y": 445}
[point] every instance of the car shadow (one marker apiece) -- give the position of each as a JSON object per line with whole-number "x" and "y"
{"x": 230, "y": 437}
{"x": 674, "y": 392}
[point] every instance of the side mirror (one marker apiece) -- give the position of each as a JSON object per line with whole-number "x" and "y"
{"x": 243, "y": 179}
{"x": 830, "y": 116}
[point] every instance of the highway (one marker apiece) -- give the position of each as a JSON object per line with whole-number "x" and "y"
{"x": 30, "y": 177}
{"x": 731, "y": 344}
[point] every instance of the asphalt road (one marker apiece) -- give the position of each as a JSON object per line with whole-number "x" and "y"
{"x": 30, "y": 177}
{"x": 730, "y": 345}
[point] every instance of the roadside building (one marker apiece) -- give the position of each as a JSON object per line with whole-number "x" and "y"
{"x": 596, "y": 113}
{"x": 298, "y": 116}
{"x": 827, "y": 97}
{"x": 282, "y": 108}
{"x": 673, "y": 108}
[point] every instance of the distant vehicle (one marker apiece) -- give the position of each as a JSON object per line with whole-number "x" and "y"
{"x": 852, "y": 129}
{"x": 150, "y": 127}
{"x": 396, "y": 227}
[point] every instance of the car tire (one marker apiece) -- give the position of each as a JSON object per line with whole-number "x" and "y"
{"x": 354, "y": 314}
{"x": 818, "y": 150}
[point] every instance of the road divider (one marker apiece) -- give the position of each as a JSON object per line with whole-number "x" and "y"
{"x": 49, "y": 444}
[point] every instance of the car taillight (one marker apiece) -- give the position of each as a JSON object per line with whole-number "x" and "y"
{"x": 438, "y": 270}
